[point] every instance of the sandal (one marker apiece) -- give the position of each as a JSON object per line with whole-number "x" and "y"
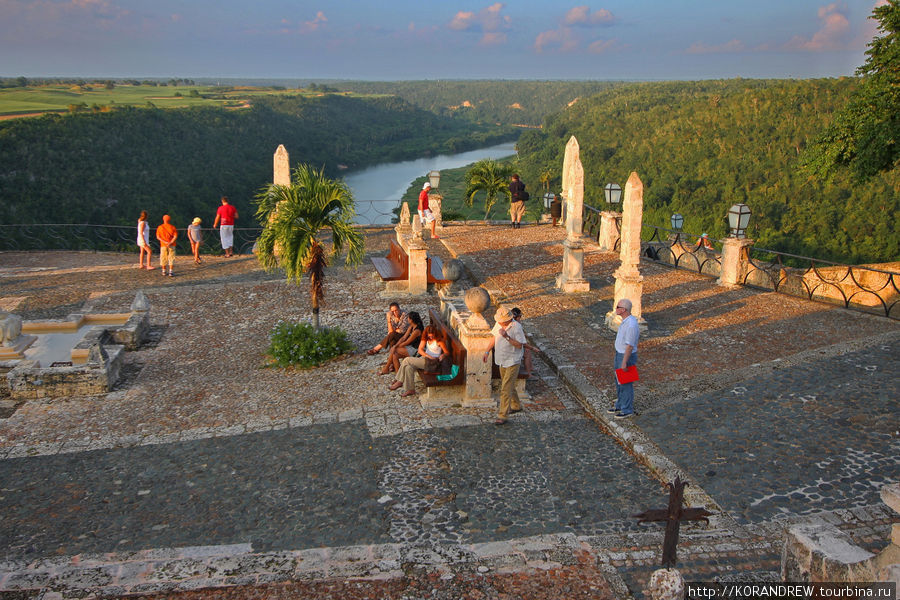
{"x": 372, "y": 351}
{"x": 395, "y": 385}
{"x": 408, "y": 393}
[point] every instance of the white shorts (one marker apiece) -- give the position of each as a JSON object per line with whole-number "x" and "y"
{"x": 226, "y": 232}
{"x": 426, "y": 215}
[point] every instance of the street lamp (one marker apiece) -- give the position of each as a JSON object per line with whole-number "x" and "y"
{"x": 613, "y": 193}
{"x": 548, "y": 200}
{"x": 677, "y": 221}
{"x": 434, "y": 178}
{"x": 738, "y": 219}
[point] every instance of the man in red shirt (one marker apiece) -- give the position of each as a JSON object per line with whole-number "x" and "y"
{"x": 425, "y": 214}
{"x": 166, "y": 234}
{"x": 227, "y": 214}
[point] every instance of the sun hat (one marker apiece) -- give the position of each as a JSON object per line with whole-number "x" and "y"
{"x": 196, "y": 221}
{"x": 703, "y": 235}
{"x": 426, "y": 186}
{"x": 502, "y": 315}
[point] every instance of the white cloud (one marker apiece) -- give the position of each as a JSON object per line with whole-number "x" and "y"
{"x": 314, "y": 25}
{"x": 489, "y": 21}
{"x": 582, "y": 15}
{"x": 601, "y": 46}
{"x": 832, "y": 35}
{"x": 561, "y": 40}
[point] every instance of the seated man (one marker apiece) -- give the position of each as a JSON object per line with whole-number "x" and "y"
{"x": 397, "y": 324}
{"x": 703, "y": 242}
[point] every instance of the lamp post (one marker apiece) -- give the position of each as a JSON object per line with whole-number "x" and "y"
{"x": 738, "y": 219}
{"x": 434, "y": 178}
{"x": 677, "y": 221}
{"x": 548, "y": 200}
{"x": 613, "y": 193}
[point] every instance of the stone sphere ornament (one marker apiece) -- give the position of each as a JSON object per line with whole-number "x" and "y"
{"x": 477, "y": 300}
{"x": 666, "y": 584}
{"x": 453, "y": 269}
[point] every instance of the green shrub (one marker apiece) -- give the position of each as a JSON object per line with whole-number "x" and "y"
{"x": 299, "y": 344}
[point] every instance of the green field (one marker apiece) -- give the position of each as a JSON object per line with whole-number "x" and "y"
{"x": 58, "y": 98}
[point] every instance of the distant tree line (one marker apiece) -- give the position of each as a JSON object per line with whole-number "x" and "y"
{"x": 105, "y": 167}
{"x": 700, "y": 147}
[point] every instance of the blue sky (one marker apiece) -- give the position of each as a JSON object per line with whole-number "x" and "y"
{"x": 434, "y": 39}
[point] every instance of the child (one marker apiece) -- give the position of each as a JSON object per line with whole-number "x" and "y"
{"x": 195, "y": 236}
{"x": 526, "y": 358}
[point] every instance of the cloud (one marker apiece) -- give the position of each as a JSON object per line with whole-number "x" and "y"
{"x": 832, "y": 35}
{"x": 727, "y": 48}
{"x": 315, "y": 24}
{"x": 582, "y": 16}
{"x": 561, "y": 40}
{"x": 601, "y": 46}
{"x": 488, "y": 21}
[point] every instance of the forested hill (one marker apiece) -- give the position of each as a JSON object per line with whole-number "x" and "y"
{"x": 104, "y": 168}
{"x": 700, "y": 147}
{"x": 515, "y": 102}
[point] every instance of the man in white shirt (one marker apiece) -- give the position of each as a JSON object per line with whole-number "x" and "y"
{"x": 508, "y": 344}
{"x": 626, "y": 356}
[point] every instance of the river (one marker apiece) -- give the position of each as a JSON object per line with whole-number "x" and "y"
{"x": 378, "y": 189}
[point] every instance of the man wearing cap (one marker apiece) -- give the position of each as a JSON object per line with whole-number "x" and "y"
{"x": 508, "y": 344}
{"x": 166, "y": 234}
{"x": 626, "y": 355}
{"x": 425, "y": 214}
{"x": 227, "y": 214}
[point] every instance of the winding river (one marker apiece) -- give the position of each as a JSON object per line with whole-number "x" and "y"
{"x": 378, "y": 189}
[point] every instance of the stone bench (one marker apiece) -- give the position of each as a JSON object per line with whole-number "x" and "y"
{"x": 394, "y": 266}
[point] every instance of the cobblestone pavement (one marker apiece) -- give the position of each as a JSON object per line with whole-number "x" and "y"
{"x": 204, "y": 469}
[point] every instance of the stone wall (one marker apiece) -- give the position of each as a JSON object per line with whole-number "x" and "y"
{"x": 26, "y": 382}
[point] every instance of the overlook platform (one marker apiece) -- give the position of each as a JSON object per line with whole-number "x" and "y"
{"x": 204, "y": 469}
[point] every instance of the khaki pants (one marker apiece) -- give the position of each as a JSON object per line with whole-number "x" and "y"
{"x": 516, "y": 211}
{"x": 509, "y": 399}
{"x": 166, "y": 256}
{"x": 407, "y": 372}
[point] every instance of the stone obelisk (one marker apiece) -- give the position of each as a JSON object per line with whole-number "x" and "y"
{"x": 629, "y": 281}
{"x": 572, "y": 277}
{"x": 282, "y": 167}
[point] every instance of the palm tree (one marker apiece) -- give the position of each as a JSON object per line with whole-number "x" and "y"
{"x": 546, "y": 176}
{"x": 293, "y": 216}
{"x": 490, "y": 177}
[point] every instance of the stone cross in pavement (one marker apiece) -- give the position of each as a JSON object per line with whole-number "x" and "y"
{"x": 673, "y": 516}
{"x": 282, "y": 170}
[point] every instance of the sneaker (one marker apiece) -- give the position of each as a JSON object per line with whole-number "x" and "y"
{"x": 612, "y": 411}
{"x": 623, "y": 416}
{"x": 513, "y": 411}
{"x": 170, "y": 274}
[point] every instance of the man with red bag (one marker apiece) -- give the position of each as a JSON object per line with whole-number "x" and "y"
{"x": 626, "y": 356}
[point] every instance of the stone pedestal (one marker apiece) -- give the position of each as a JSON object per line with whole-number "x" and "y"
{"x": 609, "y": 232}
{"x": 735, "y": 260}
{"x": 629, "y": 284}
{"x": 571, "y": 280}
{"x": 418, "y": 266}
{"x": 475, "y": 335}
{"x": 15, "y": 350}
{"x": 404, "y": 228}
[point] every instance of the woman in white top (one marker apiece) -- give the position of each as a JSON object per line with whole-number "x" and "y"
{"x": 143, "y": 241}
{"x": 433, "y": 345}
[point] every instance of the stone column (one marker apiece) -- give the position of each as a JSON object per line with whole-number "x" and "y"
{"x": 403, "y": 228}
{"x": 435, "y": 200}
{"x": 629, "y": 281}
{"x": 609, "y": 234}
{"x": 735, "y": 260}
{"x": 282, "y": 167}
{"x": 417, "y": 251}
{"x": 475, "y": 335}
{"x": 572, "y": 280}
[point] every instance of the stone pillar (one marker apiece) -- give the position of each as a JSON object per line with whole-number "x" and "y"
{"x": 403, "y": 228}
{"x": 629, "y": 281}
{"x": 609, "y": 233}
{"x": 735, "y": 260}
{"x": 282, "y": 167}
{"x": 475, "y": 335}
{"x": 435, "y": 200}
{"x": 572, "y": 280}
{"x": 417, "y": 251}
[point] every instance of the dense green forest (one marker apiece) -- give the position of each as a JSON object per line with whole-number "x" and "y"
{"x": 700, "y": 147}
{"x": 104, "y": 168}
{"x": 520, "y": 103}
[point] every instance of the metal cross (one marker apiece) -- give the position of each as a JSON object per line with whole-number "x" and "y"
{"x": 673, "y": 516}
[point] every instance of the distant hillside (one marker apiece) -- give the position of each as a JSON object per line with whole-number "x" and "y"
{"x": 105, "y": 168}
{"x": 700, "y": 147}
{"x": 518, "y": 103}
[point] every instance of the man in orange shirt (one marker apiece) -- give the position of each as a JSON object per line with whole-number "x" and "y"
{"x": 166, "y": 234}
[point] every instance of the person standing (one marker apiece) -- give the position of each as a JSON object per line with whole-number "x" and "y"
{"x": 227, "y": 215}
{"x": 143, "y": 241}
{"x": 626, "y": 346}
{"x": 425, "y": 214}
{"x": 508, "y": 344}
{"x": 517, "y": 197}
{"x": 166, "y": 234}
{"x": 195, "y": 236}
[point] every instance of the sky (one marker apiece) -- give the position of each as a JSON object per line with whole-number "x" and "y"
{"x": 434, "y": 39}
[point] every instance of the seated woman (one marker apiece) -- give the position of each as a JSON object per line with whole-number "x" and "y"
{"x": 433, "y": 345}
{"x": 397, "y": 323}
{"x": 406, "y": 345}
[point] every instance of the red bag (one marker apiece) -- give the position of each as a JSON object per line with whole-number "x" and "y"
{"x": 627, "y": 375}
